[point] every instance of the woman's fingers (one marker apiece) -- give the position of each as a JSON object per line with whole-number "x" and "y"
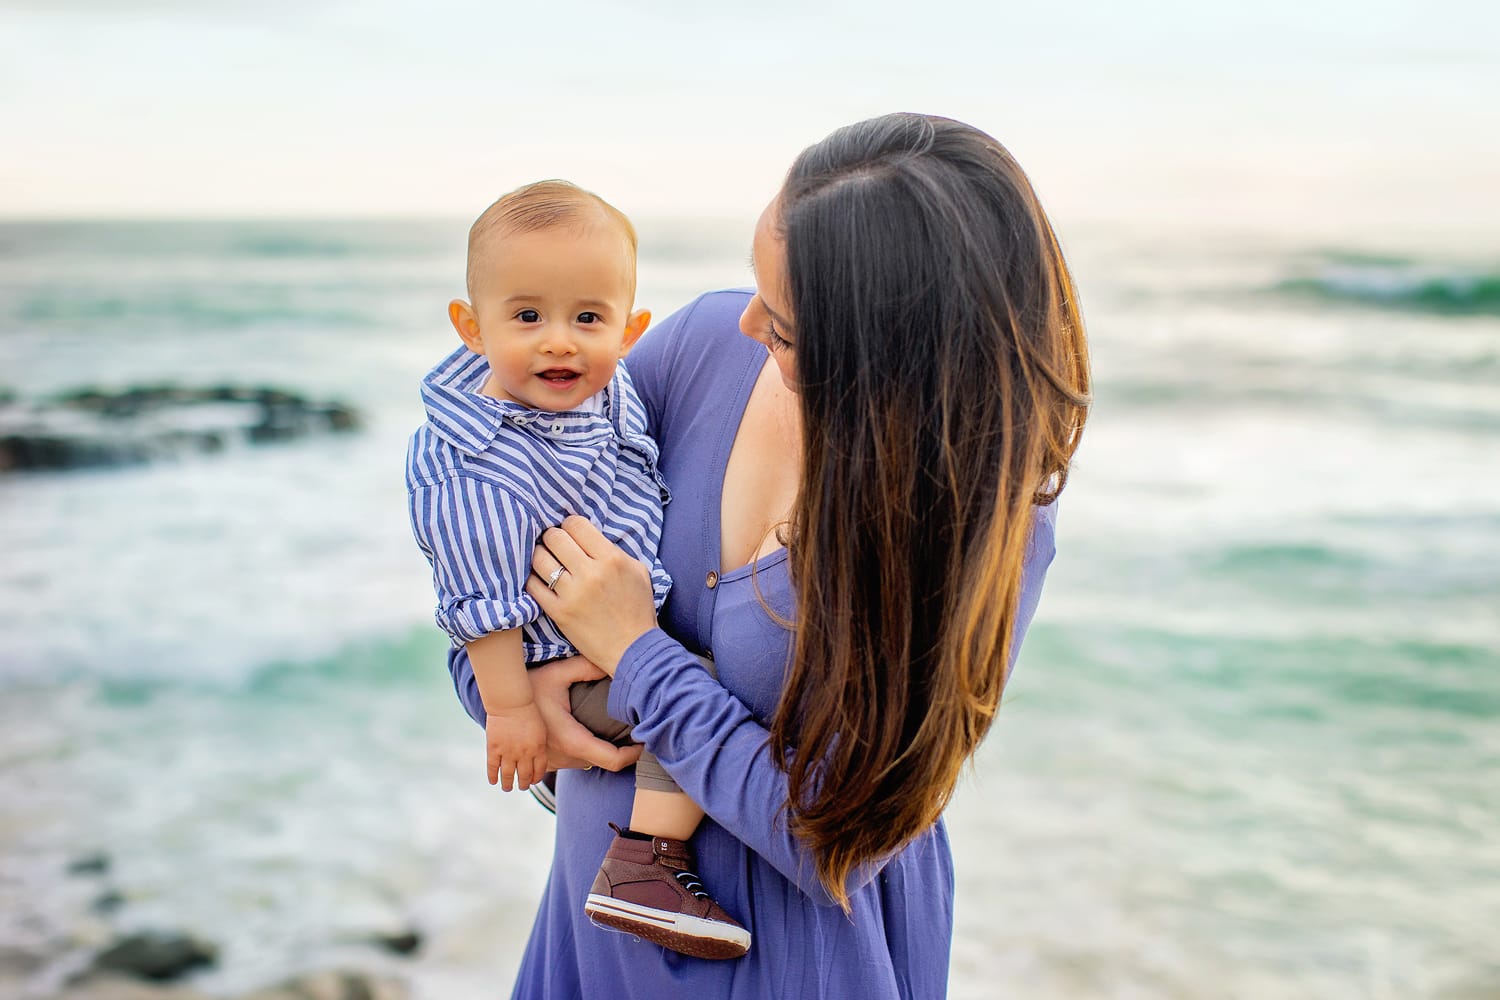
{"x": 569, "y": 743}
{"x": 559, "y": 544}
{"x": 578, "y": 668}
{"x": 588, "y": 538}
{"x": 571, "y": 738}
{"x": 617, "y": 758}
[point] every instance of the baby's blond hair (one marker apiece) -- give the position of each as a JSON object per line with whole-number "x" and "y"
{"x": 538, "y": 206}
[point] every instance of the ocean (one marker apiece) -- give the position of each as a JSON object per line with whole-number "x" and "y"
{"x": 1252, "y": 747}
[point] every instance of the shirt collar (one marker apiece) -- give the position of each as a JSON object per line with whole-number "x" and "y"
{"x": 470, "y": 420}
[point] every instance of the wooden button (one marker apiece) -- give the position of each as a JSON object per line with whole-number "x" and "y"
{"x": 713, "y": 579}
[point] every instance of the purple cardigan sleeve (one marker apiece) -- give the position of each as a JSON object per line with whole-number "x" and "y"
{"x": 712, "y": 745}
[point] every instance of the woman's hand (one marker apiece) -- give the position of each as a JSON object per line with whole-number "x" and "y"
{"x": 602, "y": 600}
{"x": 569, "y": 744}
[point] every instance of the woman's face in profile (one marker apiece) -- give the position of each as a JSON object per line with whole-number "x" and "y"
{"x": 768, "y": 316}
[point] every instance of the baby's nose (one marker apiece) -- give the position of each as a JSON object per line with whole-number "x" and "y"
{"x": 558, "y": 340}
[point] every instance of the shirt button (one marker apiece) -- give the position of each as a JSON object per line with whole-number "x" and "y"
{"x": 557, "y": 428}
{"x": 713, "y": 579}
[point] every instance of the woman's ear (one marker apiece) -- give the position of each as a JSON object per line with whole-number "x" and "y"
{"x": 461, "y": 315}
{"x": 634, "y": 327}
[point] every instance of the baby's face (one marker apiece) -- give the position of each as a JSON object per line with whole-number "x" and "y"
{"x": 552, "y": 309}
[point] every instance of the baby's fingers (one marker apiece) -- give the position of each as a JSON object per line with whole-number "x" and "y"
{"x": 492, "y": 766}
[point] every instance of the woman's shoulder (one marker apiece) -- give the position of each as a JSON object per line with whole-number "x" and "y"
{"x": 695, "y": 351}
{"x": 701, "y": 327}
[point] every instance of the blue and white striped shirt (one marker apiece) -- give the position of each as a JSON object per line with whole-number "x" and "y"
{"x": 487, "y": 476}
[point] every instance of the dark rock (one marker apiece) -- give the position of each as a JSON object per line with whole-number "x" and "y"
{"x": 90, "y": 427}
{"x": 280, "y": 423}
{"x": 96, "y": 863}
{"x": 334, "y": 985}
{"x": 84, "y": 399}
{"x": 277, "y": 397}
{"x": 158, "y": 955}
{"x": 404, "y": 943}
{"x": 108, "y": 902}
{"x": 200, "y": 441}
{"x": 113, "y": 986}
{"x": 53, "y": 452}
{"x": 340, "y": 417}
{"x": 19, "y": 962}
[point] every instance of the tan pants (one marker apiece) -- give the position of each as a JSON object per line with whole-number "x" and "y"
{"x": 590, "y": 701}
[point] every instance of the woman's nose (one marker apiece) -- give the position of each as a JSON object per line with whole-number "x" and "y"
{"x": 747, "y": 320}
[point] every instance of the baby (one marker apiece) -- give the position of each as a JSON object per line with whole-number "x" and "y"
{"x": 532, "y": 420}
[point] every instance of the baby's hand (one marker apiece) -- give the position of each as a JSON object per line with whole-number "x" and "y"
{"x": 516, "y": 740}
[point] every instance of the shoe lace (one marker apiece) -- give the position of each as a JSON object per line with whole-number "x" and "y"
{"x": 690, "y": 882}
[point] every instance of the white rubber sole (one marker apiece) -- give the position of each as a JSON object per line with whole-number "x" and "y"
{"x": 681, "y": 932}
{"x": 544, "y": 796}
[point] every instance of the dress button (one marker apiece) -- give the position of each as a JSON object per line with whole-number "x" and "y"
{"x": 713, "y": 579}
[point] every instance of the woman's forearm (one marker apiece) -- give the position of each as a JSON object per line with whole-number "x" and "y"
{"x": 717, "y": 751}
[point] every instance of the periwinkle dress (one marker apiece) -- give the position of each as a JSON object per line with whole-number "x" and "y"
{"x": 695, "y": 372}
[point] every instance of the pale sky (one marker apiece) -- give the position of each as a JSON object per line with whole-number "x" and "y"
{"x": 380, "y": 107}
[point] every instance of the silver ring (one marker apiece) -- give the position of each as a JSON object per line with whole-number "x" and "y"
{"x": 556, "y": 575}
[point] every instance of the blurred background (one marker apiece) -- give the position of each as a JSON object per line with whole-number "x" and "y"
{"x": 1252, "y": 748}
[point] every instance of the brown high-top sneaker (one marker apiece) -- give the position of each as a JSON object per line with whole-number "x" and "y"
{"x": 646, "y": 887}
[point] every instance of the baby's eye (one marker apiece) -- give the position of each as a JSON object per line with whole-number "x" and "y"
{"x": 588, "y": 317}
{"x": 528, "y": 316}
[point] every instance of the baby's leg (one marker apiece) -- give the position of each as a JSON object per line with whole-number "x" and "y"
{"x": 661, "y": 809}
{"x": 646, "y": 885}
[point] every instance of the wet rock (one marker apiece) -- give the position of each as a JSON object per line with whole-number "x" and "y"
{"x": 403, "y": 943}
{"x": 96, "y": 863}
{"x": 113, "y": 986}
{"x": 108, "y": 902}
{"x": 340, "y": 417}
{"x": 336, "y": 984}
{"x": 90, "y": 427}
{"x": 17, "y": 963}
{"x": 158, "y": 955}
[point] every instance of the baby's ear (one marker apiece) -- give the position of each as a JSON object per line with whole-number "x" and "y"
{"x": 461, "y": 315}
{"x": 634, "y": 327}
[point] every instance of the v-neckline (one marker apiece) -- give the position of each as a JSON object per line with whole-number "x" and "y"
{"x": 716, "y": 528}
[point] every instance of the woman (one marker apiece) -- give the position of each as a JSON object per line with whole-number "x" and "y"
{"x": 861, "y": 521}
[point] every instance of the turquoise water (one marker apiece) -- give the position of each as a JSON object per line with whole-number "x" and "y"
{"x": 1252, "y": 748}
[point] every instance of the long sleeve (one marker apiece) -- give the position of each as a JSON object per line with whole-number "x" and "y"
{"x": 711, "y": 743}
{"x": 479, "y": 539}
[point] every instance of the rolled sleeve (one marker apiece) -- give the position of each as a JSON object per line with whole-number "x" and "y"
{"x": 479, "y": 538}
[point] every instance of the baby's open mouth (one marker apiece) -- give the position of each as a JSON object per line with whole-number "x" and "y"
{"x": 559, "y": 376}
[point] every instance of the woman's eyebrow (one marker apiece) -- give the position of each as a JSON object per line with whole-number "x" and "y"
{"x": 777, "y": 319}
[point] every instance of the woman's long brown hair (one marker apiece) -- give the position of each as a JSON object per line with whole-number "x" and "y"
{"x": 943, "y": 375}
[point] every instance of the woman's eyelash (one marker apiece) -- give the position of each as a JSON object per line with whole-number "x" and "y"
{"x": 778, "y": 342}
